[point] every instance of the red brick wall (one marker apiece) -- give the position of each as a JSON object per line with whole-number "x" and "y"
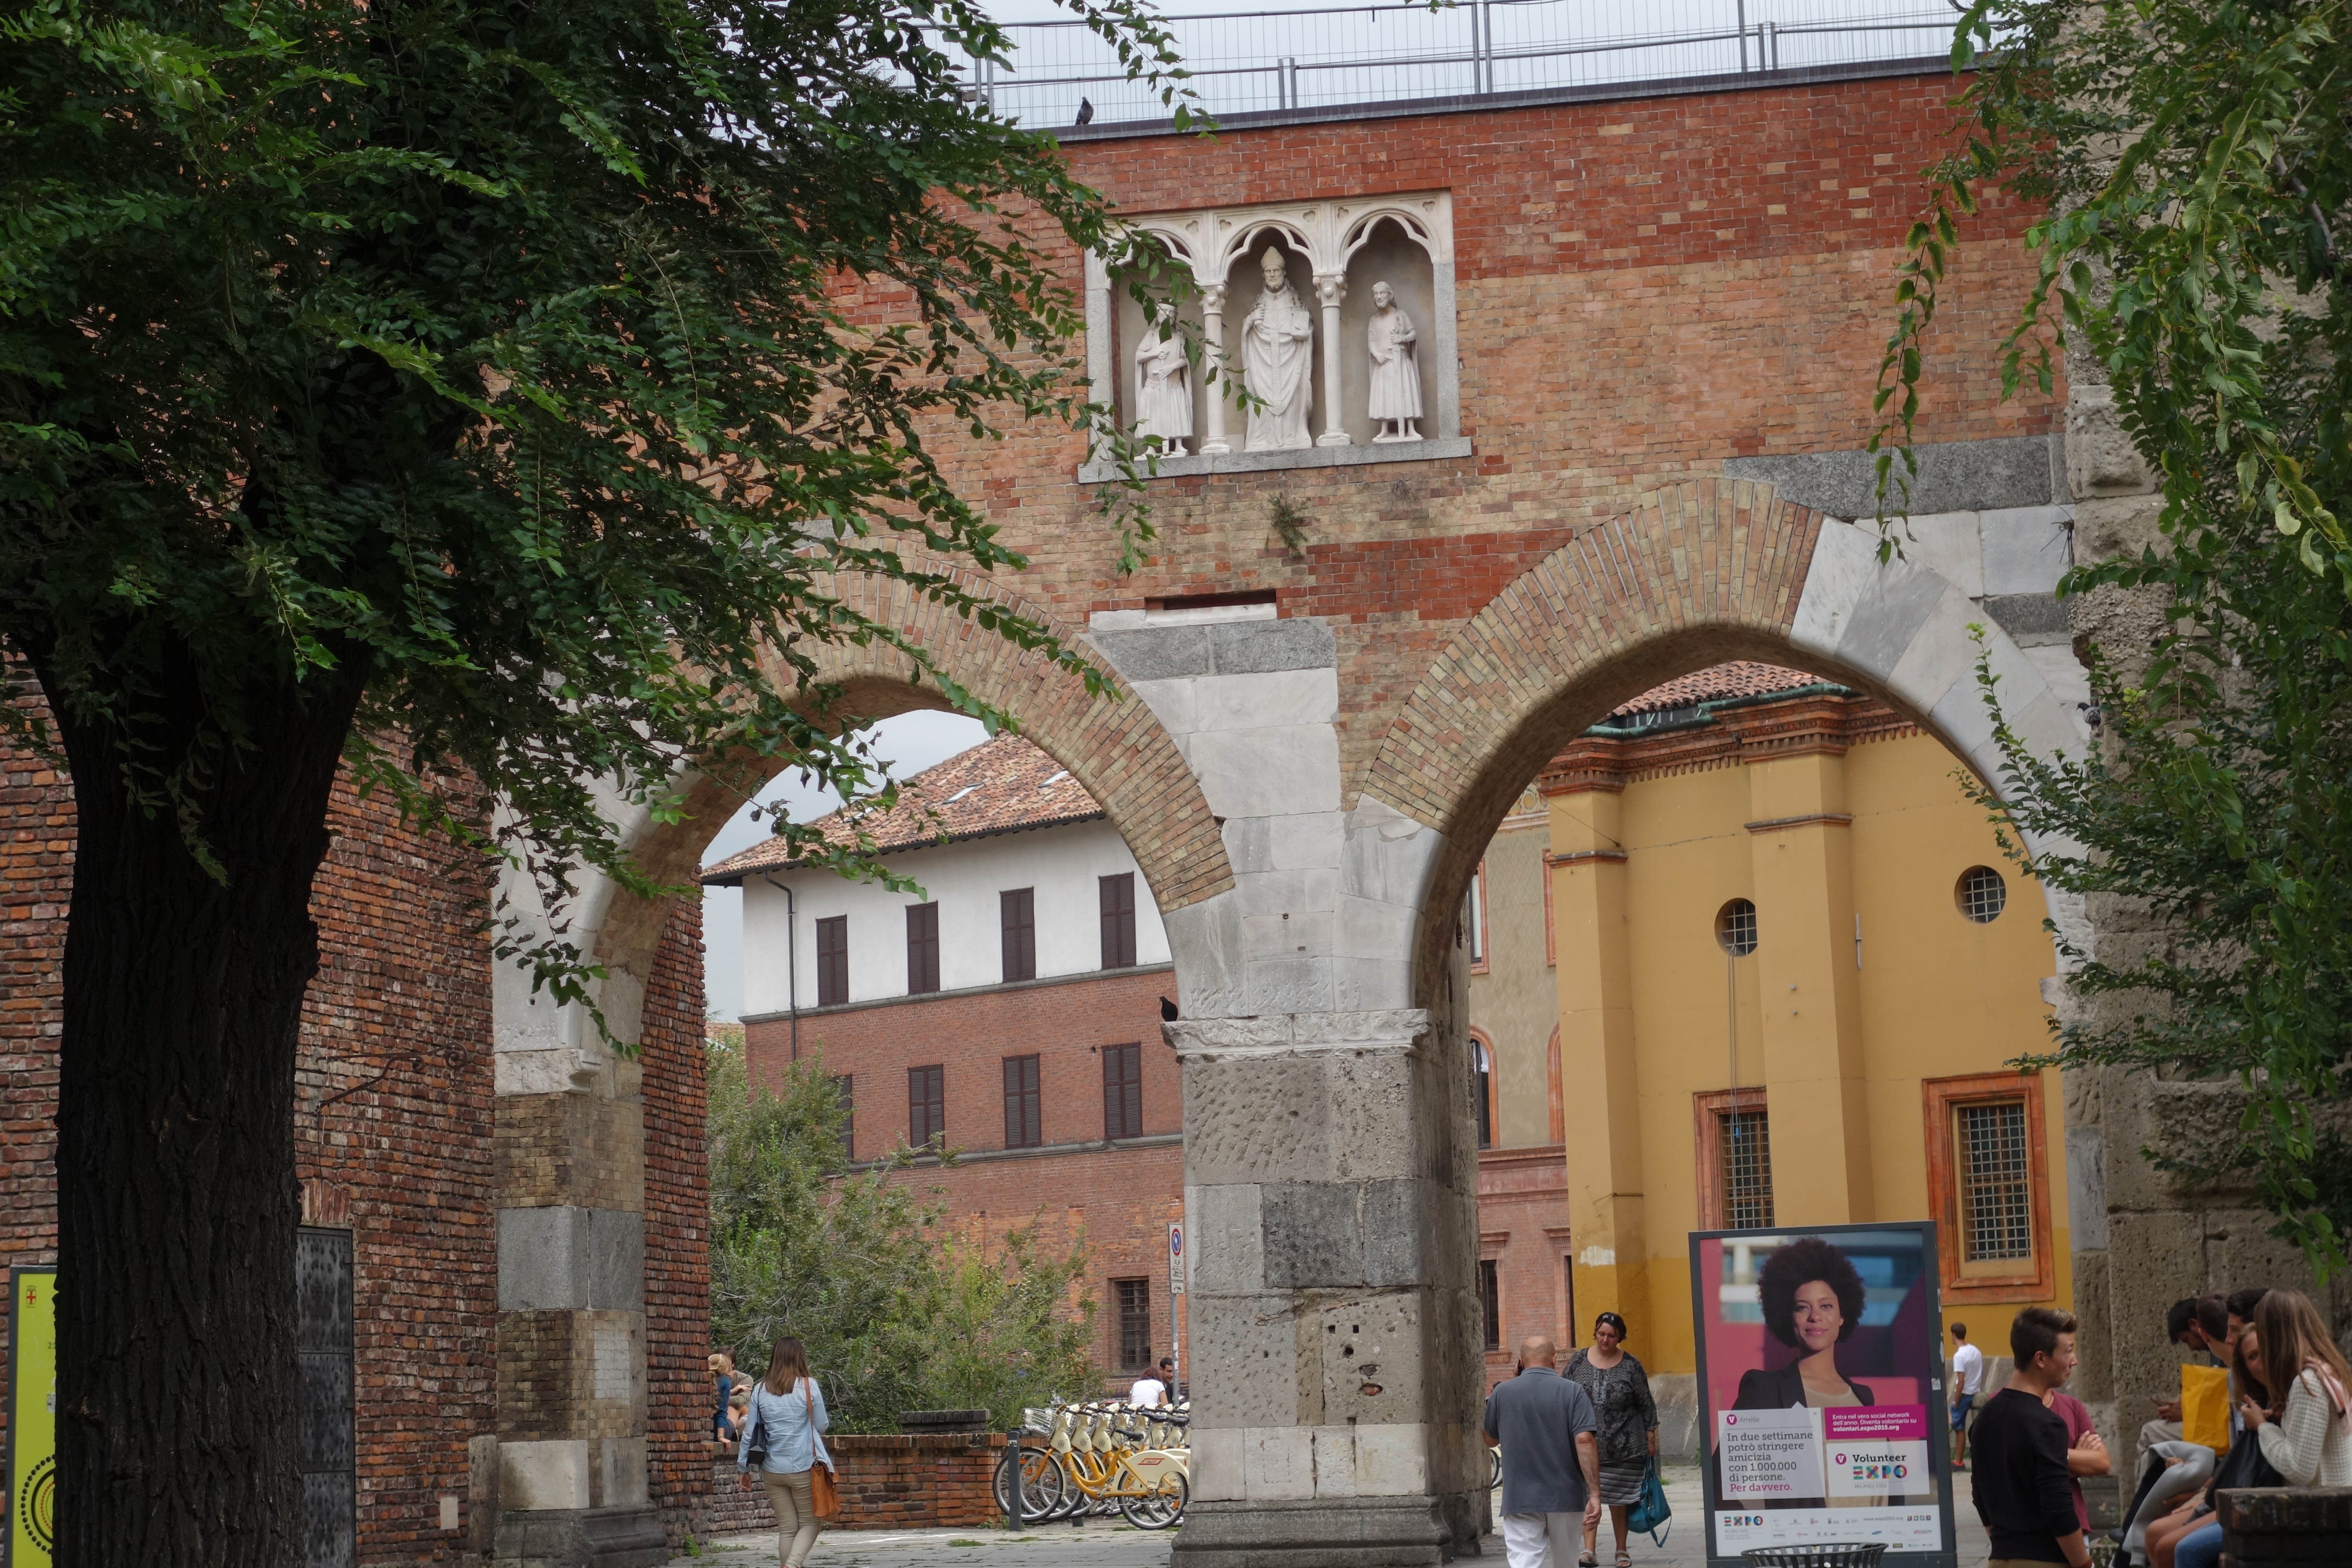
{"x": 393, "y": 1120}
{"x": 934, "y": 1480}
{"x": 677, "y": 1209}
{"x": 1121, "y": 1198}
{"x": 1522, "y": 1197}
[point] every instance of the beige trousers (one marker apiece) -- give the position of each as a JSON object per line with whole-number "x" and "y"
{"x": 796, "y": 1520}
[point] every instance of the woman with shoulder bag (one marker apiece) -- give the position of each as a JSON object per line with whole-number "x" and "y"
{"x": 1628, "y": 1415}
{"x": 782, "y": 1431}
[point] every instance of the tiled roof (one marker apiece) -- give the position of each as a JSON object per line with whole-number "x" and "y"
{"x": 1006, "y": 786}
{"x": 1741, "y": 678}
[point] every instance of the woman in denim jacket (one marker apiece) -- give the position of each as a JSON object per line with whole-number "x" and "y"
{"x": 787, "y": 1414}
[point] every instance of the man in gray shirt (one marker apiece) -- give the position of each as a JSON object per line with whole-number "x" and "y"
{"x": 1551, "y": 1463}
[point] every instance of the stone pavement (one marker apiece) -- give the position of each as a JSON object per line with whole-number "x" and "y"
{"x": 1107, "y": 1544}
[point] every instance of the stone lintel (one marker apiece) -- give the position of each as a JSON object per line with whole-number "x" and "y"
{"x": 1298, "y": 1034}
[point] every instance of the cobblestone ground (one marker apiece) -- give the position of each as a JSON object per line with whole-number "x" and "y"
{"x": 1102, "y": 1543}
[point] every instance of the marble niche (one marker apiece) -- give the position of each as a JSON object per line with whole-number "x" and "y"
{"x": 1338, "y": 314}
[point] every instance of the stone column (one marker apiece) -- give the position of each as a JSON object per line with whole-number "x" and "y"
{"x": 1331, "y": 289}
{"x": 569, "y": 1472}
{"x": 1213, "y": 328}
{"x": 1814, "y": 1083}
{"x": 1588, "y": 871}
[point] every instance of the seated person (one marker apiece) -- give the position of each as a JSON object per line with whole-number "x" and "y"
{"x": 2190, "y": 1536}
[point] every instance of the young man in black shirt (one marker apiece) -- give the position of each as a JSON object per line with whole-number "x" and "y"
{"x": 2018, "y": 1452}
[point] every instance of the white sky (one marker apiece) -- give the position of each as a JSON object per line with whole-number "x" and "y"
{"x": 911, "y": 743}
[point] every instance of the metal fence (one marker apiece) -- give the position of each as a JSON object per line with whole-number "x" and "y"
{"x": 1278, "y": 60}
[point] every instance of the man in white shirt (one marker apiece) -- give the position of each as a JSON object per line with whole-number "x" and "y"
{"x": 1150, "y": 1391}
{"x": 1968, "y": 1380}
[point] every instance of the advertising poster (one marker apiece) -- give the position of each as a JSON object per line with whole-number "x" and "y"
{"x": 32, "y": 1416}
{"x": 1821, "y": 1386}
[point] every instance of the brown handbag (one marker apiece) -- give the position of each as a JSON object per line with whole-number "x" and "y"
{"x": 825, "y": 1497}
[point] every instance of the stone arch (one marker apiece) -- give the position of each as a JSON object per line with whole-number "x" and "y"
{"x": 1703, "y": 572}
{"x": 1113, "y": 746}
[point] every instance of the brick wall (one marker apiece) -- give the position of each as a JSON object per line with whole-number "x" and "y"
{"x": 677, "y": 1204}
{"x": 933, "y": 1481}
{"x": 1120, "y": 1197}
{"x": 392, "y": 1120}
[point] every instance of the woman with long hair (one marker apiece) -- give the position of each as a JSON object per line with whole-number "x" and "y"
{"x": 2306, "y": 1427}
{"x": 786, "y": 1415}
{"x": 2191, "y": 1537}
{"x": 1621, "y": 1403}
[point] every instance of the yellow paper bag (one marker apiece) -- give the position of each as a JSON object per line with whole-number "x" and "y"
{"x": 2205, "y": 1406}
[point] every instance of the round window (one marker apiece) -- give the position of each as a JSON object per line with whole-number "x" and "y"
{"x": 1982, "y": 894}
{"x": 1734, "y": 928}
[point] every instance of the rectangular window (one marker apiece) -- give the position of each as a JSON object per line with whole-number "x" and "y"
{"x": 1122, "y": 1091}
{"x": 1568, "y": 1294}
{"x": 1735, "y": 1159}
{"x": 1474, "y": 918}
{"x": 926, "y": 1106}
{"x": 922, "y": 948}
{"x": 1989, "y": 1186}
{"x": 1017, "y": 910}
{"x": 1118, "y": 920}
{"x": 843, "y": 1096}
{"x": 832, "y": 961}
{"x": 1134, "y": 1297}
{"x": 1021, "y": 1130}
{"x": 1490, "y": 1303}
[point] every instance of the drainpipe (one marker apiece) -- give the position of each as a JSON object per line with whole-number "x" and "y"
{"x": 791, "y": 957}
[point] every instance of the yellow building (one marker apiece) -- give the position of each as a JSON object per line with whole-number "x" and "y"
{"x": 1790, "y": 965}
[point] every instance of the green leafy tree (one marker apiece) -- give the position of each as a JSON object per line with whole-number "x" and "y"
{"x": 861, "y": 1266}
{"x": 473, "y": 396}
{"x": 2194, "y": 161}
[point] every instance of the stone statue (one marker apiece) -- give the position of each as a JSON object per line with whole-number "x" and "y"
{"x": 1278, "y": 361}
{"x": 1163, "y": 384}
{"x": 1396, "y": 376}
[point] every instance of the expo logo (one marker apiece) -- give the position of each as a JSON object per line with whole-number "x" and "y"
{"x": 1743, "y": 1521}
{"x": 1878, "y": 1472}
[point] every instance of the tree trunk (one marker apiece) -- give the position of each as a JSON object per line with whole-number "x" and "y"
{"x": 177, "y": 1196}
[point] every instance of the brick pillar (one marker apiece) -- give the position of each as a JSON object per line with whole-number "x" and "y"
{"x": 1596, "y": 1048}
{"x": 570, "y": 1475}
{"x": 1815, "y": 1089}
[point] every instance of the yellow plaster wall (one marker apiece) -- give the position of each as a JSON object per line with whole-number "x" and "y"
{"x": 1936, "y": 995}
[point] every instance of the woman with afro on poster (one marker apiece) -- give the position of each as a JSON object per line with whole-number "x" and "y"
{"x": 1813, "y": 1299}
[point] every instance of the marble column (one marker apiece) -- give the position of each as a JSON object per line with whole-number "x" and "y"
{"x": 1330, "y": 288}
{"x": 1213, "y": 328}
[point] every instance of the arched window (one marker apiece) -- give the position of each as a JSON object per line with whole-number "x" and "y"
{"x": 1482, "y": 1088}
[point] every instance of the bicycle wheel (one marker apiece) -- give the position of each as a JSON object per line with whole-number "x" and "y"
{"x": 1161, "y": 1509}
{"x": 1494, "y": 1469}
{"x": 1069, "y": 1496}
{"x": 1041, "y": 1487}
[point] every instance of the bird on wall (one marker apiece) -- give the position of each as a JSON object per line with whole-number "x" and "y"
{"x": 1086, "y": 110}
{"x": 1167, "y": 1009}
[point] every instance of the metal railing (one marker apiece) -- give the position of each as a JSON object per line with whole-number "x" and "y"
{"x": 1243, "y": 62}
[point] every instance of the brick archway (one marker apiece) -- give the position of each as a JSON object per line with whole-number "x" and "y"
{"x": 1704, "y": 571}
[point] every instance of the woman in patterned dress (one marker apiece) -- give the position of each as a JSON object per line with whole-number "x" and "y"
{"x": 1620, "y": 1392}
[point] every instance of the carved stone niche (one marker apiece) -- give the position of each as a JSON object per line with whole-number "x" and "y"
{"x": 1335, "y": 252}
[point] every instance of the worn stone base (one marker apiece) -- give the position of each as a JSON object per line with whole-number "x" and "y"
{"x": 580, "y": 1538}
{"x": 1323, "y": 1532}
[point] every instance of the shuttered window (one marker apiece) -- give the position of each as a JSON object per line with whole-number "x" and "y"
{"x": 1122, "y": 1091}
{"x": 922, "y": 948}
{"x": 927, "y": 1105}
{"x": 1118, "y": 920}
{"x": 832, "y": 961}
{"x": 1021, "y": 1129}
{"x": 1017, "y": 911}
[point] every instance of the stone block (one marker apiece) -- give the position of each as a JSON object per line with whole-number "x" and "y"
{"x": 2032, "y": 620}
{"x": 1358, "y": 1532}
{"x": 1174, "y": 702}
{"x": 2086, "y": 1186}
{"x": 1335, "y": 1461}
{"x": 1206, "y": 940}
{"x": 1346, "y": 1235}
{"x": 1277, "y": 771}
{"x": 1242, "y": 1361}
{"x": 1953, "y": 476}
{"x": 544, "y": 1476}
{"x": 2068, "y": 681}
{"x": 1301, "y": 983}
{"x": 1880, "y": 630}
{"x": 1941, "y": 653}
{"x": 2110, "y": 526}
{"x": 570, "y": 1258}
{"x": 2094, "y": 1379}
{"x": 1259, "y": 702}
{"x": 1845, "y": 569}
{"x": 1257, "y": 648}
{"x": 1305, "y": 841}
{"x": 2026, "y": 551}
{"x": 1676, "y": 1394}
{"x": 620, "y": 1472}
{"x": 1155, "y": 653}
{"x": 1387, "y": 855}
{"x": 1947, "y": 544}
{"x": 1287, "y": 936}
{"x": 1392, "y": 1460}
{"x": 1275, "y": 893}
{"x": 1372, "y": 1352}
{"x": 1228, "y": 1255}
{"x": 1255, "y": 1119}
{"x": 1370, "y": 1116}
{"x": 2100, "y": 458}
{"x": 1361, "y": 984}
{"x": 1217, "y": 1464}
{"x": 1374, "y": 928}
{"x": 1277, "y": 1462}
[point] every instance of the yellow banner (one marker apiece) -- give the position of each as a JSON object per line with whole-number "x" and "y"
{"x": 32, "y": 1416}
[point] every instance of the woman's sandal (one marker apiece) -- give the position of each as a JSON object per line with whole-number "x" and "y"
{"x": 1625, "y": 1560}
{"x": 1588, "y": 1560}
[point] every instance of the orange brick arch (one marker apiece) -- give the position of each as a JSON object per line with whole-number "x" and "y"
{"x": 1111, "y": 743}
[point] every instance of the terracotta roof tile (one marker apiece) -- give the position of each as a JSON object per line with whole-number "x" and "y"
{"x": 1006, "y": 786}
{"x": 1741, "y": 678}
